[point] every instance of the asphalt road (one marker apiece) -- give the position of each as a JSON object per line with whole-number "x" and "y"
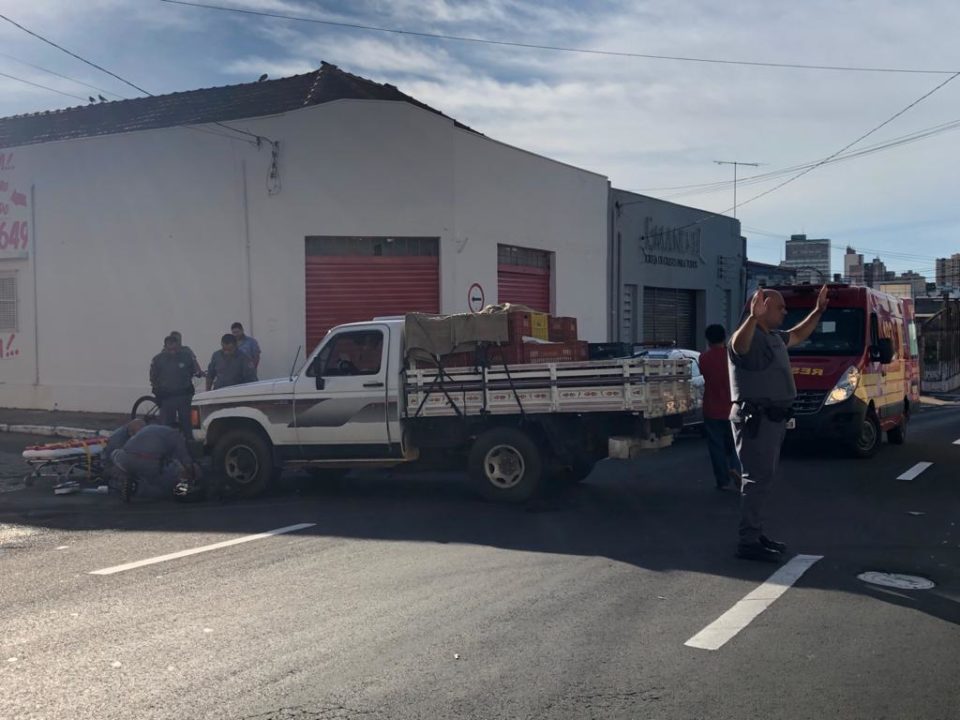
{"x": 408, "y": 598}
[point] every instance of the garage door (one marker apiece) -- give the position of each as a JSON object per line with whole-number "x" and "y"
{"x": 670, "y": 315}
{"x": 523, "y": 277}
{"x": 352, "y": 279}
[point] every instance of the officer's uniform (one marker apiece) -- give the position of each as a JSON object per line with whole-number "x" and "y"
{"x": 154, "y": 457}
{"x": 171, "y": 377}
{"x": 118, "y": 438}
{"x": 226, "y": 370}
{"x": 251, "y": 348}
{"x": 761, "y": 377}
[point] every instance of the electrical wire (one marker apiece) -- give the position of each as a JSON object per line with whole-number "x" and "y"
{"x": 61, "y": 75}
{"x": 554, "y": 48}
{"x": 257, "y": 138}
{"x": 709, "y": 215}
{"x": 850, "y": 144}
{"x": 760, "y": 178}
{"x": 43, "y": 87}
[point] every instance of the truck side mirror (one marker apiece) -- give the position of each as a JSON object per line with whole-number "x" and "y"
{"x": 321, "y": 383}
{"x": 882, "y": 352}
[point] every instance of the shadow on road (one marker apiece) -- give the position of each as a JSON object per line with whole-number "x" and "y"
{"x": 660, "y": 514}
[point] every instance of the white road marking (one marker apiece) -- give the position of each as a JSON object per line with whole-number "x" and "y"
{"x": 724, "y": 628}
{"x": 913, "y": 472}
{"x": 956, "y": 442}
{"x": 198, "y": 550}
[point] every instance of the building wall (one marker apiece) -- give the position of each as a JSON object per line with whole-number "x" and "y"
{"x": 715, "y": 271}
{"x": 173, "y": 229}
{"x": 764, "y": 275}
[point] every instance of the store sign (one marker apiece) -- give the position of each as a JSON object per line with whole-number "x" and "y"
{"x": 670, "y": 247}
{"x": 14, "y": 211}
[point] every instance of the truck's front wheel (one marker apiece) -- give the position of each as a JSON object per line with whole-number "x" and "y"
{"x": 243, "y": 458}
{"x": 505, "y": 465}
{"x": 868, "y": 439}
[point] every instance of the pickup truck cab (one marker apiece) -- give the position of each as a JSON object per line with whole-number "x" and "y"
{"x": 359, "y": 402}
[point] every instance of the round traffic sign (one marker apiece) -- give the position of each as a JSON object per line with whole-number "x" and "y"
{"x": 475, "y": 298}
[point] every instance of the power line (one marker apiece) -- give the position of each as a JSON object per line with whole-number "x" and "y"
{"x": 60, "y": 75}
{"x": 851, "y": 144}
{"x": 719, "y": 185}
{"x": 800, "y": 174}
{"x": 44, "y": 87}
{"x": 73, "y": 54}
{"x": 554, "y": 48}
{"x": 257, "y": 138}
{"x": 890, "y": 254}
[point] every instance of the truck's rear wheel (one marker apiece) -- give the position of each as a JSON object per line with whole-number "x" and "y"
{"x": 244, "y": 460}
{"x": 869, "y": 437}
{"x": 505, "y": 465}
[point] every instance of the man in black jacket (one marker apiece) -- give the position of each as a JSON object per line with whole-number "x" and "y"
{"x": 171, "y": 378}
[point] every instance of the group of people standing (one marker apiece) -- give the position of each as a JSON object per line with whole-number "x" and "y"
{"x": 748, "y": 399}
{"x": 156, "y": 456}
{"x": 172, "y": 372}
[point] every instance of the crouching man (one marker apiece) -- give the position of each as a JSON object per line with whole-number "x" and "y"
{"x": 157, "y": 462}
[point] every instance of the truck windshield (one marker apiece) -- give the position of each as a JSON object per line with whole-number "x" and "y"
{"x": 839, "y": 332}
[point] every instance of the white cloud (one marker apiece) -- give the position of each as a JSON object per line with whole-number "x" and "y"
{"x": 642, "y": 122}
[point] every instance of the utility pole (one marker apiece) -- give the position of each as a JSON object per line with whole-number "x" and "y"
{"x": 735, "y": 164}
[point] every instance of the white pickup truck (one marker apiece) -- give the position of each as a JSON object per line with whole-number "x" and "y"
{"x": 359, "y": 402}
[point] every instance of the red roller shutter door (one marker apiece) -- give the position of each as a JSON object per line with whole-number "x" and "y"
{"x": 523, "y": 277}
{"x": 356, "y": 288}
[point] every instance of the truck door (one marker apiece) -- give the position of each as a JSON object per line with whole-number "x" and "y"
{"x": 340, "y": 401}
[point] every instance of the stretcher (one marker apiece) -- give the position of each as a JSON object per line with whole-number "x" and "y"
{"x": 74, "y": 465}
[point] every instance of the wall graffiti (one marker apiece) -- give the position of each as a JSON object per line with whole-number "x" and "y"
{"x": 7, "y": 350}
{"x": 14, "y": 211}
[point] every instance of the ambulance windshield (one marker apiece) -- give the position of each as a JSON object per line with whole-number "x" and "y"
{"x": 840, "y": 332}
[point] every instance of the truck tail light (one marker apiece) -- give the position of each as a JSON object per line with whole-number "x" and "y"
{"x": 195, "y": 418}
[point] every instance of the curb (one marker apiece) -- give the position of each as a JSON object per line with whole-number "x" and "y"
{"x": 61, "y": 431}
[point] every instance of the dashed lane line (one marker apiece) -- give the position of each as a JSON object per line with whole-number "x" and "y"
{"x": 197, "y": 550}
{"x": 915, "y": 471}
{"x": 725, "y": 628}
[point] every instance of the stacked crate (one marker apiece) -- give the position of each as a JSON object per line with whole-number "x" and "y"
{"x": 557, "y": 338}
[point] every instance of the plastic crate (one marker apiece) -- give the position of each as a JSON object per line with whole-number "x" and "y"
{"x": 563, "y": 329}
{"x": 540, "y": 326}
{"x": 520, "y": 325}
{"x": 556, "y": 352}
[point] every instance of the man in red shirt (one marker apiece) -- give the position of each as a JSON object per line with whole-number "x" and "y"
{"x": 716, "y": 410}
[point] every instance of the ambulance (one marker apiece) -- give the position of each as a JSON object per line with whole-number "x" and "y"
{"x": 858, "y": 374}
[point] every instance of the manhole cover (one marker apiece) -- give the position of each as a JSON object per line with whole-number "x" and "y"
{"x": 896, "y": 580}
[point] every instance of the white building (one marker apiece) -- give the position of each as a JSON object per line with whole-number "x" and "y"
{"x": 321, "y": 198}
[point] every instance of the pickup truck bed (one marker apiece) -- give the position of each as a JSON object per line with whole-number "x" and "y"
{"x": 652, "y": 388}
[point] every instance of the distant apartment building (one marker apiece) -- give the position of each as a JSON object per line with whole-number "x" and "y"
{"x": 876, "y": 272}
{"x": 809, "y": 257}
{"x": 948, "y": 272}
{"x": 853, "y": 267}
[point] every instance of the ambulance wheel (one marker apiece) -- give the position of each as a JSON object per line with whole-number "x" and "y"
{"x": 243, "y": 458}
{"x": 505, "y": 465}
{"x": 898, "y": 435}
{"x": 868, "y": 440}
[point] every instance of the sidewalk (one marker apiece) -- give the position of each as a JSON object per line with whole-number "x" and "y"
{"x": 58, "y": 423}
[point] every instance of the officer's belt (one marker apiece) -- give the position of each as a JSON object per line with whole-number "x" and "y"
{"x": 773, "y": 413}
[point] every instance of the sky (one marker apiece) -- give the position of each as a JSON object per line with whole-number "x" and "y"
{"x": 649, "y": 125}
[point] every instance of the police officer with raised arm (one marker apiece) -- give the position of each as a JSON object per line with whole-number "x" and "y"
{"x": 762, "y": 388}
